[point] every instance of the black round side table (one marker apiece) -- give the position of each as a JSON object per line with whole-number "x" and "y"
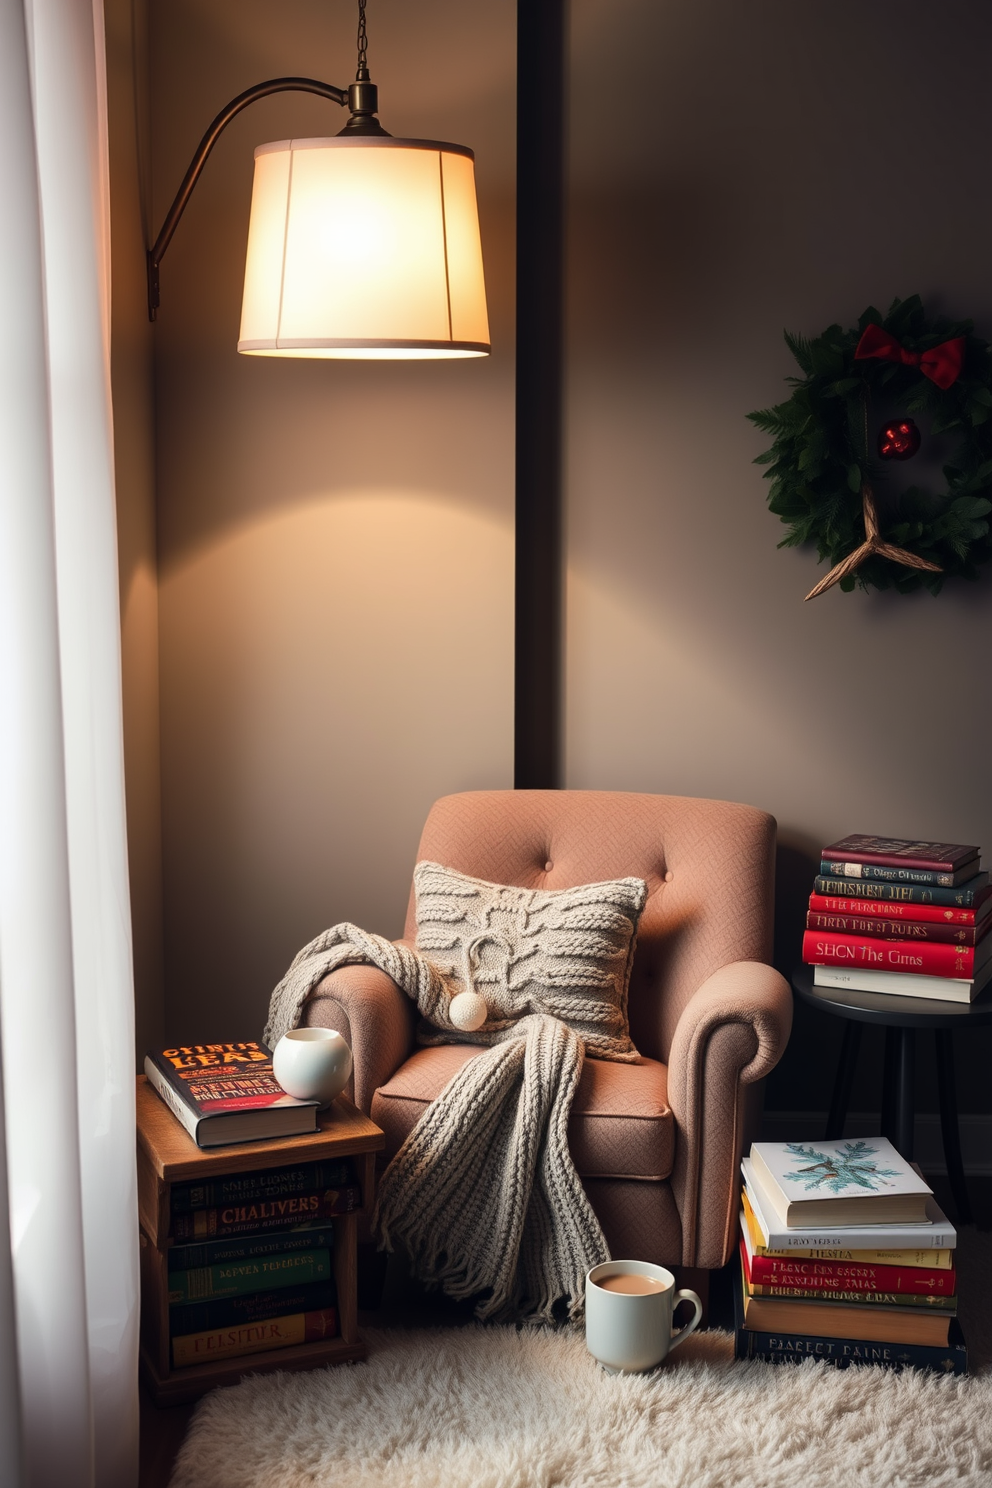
{"x": 900, "y": 1017}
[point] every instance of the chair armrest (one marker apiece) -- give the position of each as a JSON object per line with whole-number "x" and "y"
{"x": 732, "y": 1032}
{"x": 377, "y": 1019}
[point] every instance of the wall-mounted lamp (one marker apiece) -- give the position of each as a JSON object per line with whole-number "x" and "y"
{"x": 359, "y": 246}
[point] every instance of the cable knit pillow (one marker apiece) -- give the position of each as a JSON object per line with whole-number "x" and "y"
{"x": 566, "y": 952}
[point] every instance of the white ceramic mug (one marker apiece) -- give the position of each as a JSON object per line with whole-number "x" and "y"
{"x": 312, "y": 1063}
{"x": 630, "y": 1332}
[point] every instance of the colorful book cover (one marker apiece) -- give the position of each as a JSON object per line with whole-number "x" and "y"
{"x": 899, "y": 875}
{"x": 881, "y": 927}
{"x": 264, "y": 1183}
{"x": 846, "y": 1276}
{"x": 261, "y": 1273}
{"x": 278, "y": 1332}
{"x": 917, "y": 958}
{"x": 224, "y": 1093}
{"x": 947, "y": 914}
{"x": 970, "y": 895}
{"x": 267, "y": 1214}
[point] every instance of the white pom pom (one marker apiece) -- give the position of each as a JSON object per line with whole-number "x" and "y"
{"x": 468, "y": 1011}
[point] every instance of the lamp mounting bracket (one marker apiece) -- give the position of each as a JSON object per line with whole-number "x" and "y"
{"x": 361, "y": 98}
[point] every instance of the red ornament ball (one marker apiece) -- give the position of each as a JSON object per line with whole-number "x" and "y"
{"x": 899, "y": 440}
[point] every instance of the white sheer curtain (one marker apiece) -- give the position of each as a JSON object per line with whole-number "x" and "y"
{"x": 68, "y": 1282}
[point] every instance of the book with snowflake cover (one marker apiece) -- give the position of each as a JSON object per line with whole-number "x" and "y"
{"x": 841, "y": 1182}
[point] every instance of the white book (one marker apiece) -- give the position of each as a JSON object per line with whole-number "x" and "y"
{"x": 848, "y": 1181}
{"x": 937, "y": 1233}
{"x": 903, "y": 983}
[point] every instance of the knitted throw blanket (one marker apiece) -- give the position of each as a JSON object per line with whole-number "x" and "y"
{"x": 483, "y": 1195}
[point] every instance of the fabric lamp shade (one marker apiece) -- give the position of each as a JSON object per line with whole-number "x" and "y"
{"x": 365, "y": 247}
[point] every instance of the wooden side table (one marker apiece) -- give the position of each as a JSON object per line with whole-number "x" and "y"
{"x": 900, "y": 1017}
{"x": 167, "y": 1155}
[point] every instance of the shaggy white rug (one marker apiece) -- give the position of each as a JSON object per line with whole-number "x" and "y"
{"x": 489, "y": 1407}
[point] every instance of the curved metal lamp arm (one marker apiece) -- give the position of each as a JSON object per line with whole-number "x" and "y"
{"x": 361, "y": 97}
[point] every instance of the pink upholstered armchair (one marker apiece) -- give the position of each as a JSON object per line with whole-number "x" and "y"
{"x": 657, "y": 1143}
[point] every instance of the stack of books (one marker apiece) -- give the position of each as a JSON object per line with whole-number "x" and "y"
{"x": 890, "y": 915}
{"x": 251, "y": 1261}
{"x": 846, "y": 1257}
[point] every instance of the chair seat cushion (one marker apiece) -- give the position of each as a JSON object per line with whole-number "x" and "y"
{"x": 620, "y": 1126}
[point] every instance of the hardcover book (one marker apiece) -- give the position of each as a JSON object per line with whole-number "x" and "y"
{"x": 224, "y": 1093}
{"x": 900, "y": 875}
{"x": 844, "y": 1276}
{"x": 267, "y": 1183}
{"x": 267, "y": 1214}
{"x": 937, "y": 1233}
{"x": 936, "y": 1260}
{"x": 898, "y": 984}
{"x": 901, "y": 852}
{"x": 784, "y": 1347}
{"x": 969, "y": 895}
{"x": 842, "y": 1320}
{"x": 881, "y": 927}
{"x": 246, "y": 1247}
{"x": 252, "y": 1307}
{"x": 840, "y": 1182}
{"x": 261, "y": 1273}
{"x": 253, "y": 1338}
{"x": 827, "y": 948}
{"x": 945, "y": 914}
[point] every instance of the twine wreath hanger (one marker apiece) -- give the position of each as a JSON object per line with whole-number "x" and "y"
{"x": 822, "y": 467}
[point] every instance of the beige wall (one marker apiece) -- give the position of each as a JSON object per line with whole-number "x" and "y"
{"x": 131, "y": 353}
{"x": 335, "y": 539}
{"x": 772, "y": 171}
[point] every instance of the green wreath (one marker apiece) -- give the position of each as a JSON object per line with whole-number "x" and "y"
{"x": 822, "y": 466}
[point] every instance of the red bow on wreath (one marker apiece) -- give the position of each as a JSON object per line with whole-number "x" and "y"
{"x": 942, "y": 364}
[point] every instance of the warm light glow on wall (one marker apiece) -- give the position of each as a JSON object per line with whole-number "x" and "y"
{"x": 364, "y": 247}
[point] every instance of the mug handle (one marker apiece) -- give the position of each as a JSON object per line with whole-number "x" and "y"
{"x": 683, "y": 1333}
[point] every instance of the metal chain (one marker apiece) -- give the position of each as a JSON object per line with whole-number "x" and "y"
{"x": 362, "y": 75}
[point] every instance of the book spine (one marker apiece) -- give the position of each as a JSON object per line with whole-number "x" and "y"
{"x": 885, "y": 909}
{"x": 236, "y": 1277}
{"x": 843, "y": 1276}
{"x": 877, "y": 927}
{"x": 258, "y": 1307}
{"x": 172, "y": 1097}
{"x": 936, "y": 1236}
{"x": 925, "y": 876}
{"x": 215, "y": 1252}
{"x": 240, "y": 1219}
{"x": 857, "y": 1299}
{"x": 826, "y": 949}
{"x": 793, "y": 1348}
{"x": 853, "y": 888}
{"x": 249, "y": 1188}
{"x": 274, "y": 1333}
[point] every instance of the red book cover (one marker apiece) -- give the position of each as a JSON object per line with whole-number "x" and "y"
{"x": 881, "y": 927}
{"x": 266, "y": 1214}
{"x": 900, "y": 852}
{"x": 822, "y": 948}
{"x": 227, "y": 1093}
{"x": 848, "y": 1276}
{"x": 898, "y": 909}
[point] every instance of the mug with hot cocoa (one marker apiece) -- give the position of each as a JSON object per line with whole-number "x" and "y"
{"x": 629, "y": 1307}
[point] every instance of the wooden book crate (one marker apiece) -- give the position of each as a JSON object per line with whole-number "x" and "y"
{"x": 167, "y": 1155}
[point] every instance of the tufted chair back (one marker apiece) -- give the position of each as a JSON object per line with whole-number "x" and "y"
{"x": 708, "y": 865}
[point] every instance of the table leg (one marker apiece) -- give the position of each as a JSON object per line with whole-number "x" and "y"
{"x": 949, "y": 1129}
{"x": 889, "y": 1068}
{"x": 903, "y": 1095}
{"x": 843, "y": 1081}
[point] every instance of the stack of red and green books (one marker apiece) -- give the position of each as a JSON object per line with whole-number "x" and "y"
{"x": 891, "y": 915}
{"x": 846, "y": 1257}
{"x": 251, "y": 1263}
